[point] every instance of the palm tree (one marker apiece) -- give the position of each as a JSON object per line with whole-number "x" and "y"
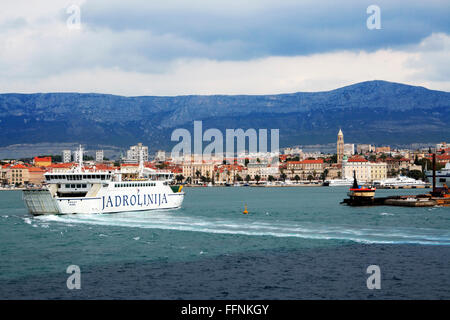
{"x": 198, "y": 174}
{"x": 257, "y": 178}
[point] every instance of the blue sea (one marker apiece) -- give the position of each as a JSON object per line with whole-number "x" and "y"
{"x": 295, "y": 243}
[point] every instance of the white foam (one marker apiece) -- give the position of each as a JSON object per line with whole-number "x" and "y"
{"x": 167, "y": 221}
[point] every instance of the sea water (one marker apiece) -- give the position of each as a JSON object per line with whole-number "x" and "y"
{"x": 296, "y": 242}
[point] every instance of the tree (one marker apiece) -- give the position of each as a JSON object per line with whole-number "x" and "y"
{"x": 246, "y": 161}
{"x": 179, "y": 178}
{"x": 257, "y": 178}
{"x": 334, "y": 158}
{"x": 248, "y": 178}
{"x": 198, "y": 174}
{"x": 296, "y": 178}
{"x": 325, "y": 174}
{"x": 310, "y": 177}
{"x": 270, "y": 178}
{"x": 416, "y": 174}
{"x": 238, "y": 177}
{"x": 283, "y": 176}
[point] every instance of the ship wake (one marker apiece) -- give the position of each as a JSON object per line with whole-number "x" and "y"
{"x": 166, "y": 220}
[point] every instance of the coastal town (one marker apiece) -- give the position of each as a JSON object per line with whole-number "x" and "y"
{"x": 294, "y": 167}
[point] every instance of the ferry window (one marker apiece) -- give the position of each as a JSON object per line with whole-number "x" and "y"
{"x": 84, "y": 176}
{"x": 102, "y": 177}
{"x": 47, "y": 178}
{"x": 78, "y": 185}
{"x": 67, "y": 185}
{"x": 72, "y": 186}
{"x": 98, "y": 176}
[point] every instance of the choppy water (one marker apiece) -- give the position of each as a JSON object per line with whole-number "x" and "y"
{"x": 209, "y": 238}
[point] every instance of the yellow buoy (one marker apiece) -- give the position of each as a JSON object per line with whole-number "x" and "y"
{"x": 245, "y": 210}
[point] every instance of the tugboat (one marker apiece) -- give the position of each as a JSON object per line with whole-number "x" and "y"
{"x": 360, "y": 196}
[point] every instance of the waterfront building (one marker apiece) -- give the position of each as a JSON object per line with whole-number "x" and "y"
{"x": 160, "y": 155}
{"x": 227, "y": 173}
{"x": 3, "y": 172}
{"x": 293, "y": 151}
{"x": 311, "y": 155}
{"x": 67, "y": 156}
{"x": 364, "y": 148}
{"x": 134, "y": 152}
{"x": 383, "y": 149}
{"x": 76, "y": 156}
{"x": 36, "y": 175}
{"x": 340, "y": 146}
{"x": 349, "y": 149}
{"x": 42, "y": 161}
{"x": 358, "y": 165}
{"x": 196, "y": 170}
{"x": 305, "y": 168}
{"x": 365, "y": 171}
{"x": 17, "y": 175}
{"x": 99, "y": 156}
{"x": 378, "y": 171}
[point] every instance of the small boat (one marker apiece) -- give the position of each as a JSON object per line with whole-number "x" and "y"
{"x": 358, "y": 195}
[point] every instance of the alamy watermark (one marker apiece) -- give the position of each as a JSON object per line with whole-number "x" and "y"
{"x": 248, "y": 142}
{"x": 74, "y": 280}
{"x": 374, "y": 280}
{"x": 73, "y": 22}
{"x": 374, "y": 20}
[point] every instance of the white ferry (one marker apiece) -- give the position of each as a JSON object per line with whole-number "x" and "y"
{"x": 89, "y": 191}
{"x": 400, "y": 181}
{"x": 338, "y": 183}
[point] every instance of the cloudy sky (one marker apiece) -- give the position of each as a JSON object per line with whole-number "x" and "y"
{"x": 175, "y": 47}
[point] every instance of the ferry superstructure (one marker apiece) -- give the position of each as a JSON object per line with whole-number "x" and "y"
{"x": 88, "y": 191}
{"x": 442, "y": 176}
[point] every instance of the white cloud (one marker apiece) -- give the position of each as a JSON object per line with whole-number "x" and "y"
{"x": 38, "y": 53}
{"x": 318, "y": 72}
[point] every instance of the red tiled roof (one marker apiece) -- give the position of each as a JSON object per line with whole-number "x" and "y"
{"x": 357, "y": 160}
{"x": 35, "y": 169}
{"x": 44, "y": 159}
{"x": 443, "y": 157}
{"x": 305, "y": 161}
{"x": 19, "y": 166}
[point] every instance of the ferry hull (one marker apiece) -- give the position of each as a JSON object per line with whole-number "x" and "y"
{"x": 40, "y": 202}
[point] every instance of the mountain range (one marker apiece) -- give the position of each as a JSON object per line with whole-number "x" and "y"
{"x": 377, "y": 112}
